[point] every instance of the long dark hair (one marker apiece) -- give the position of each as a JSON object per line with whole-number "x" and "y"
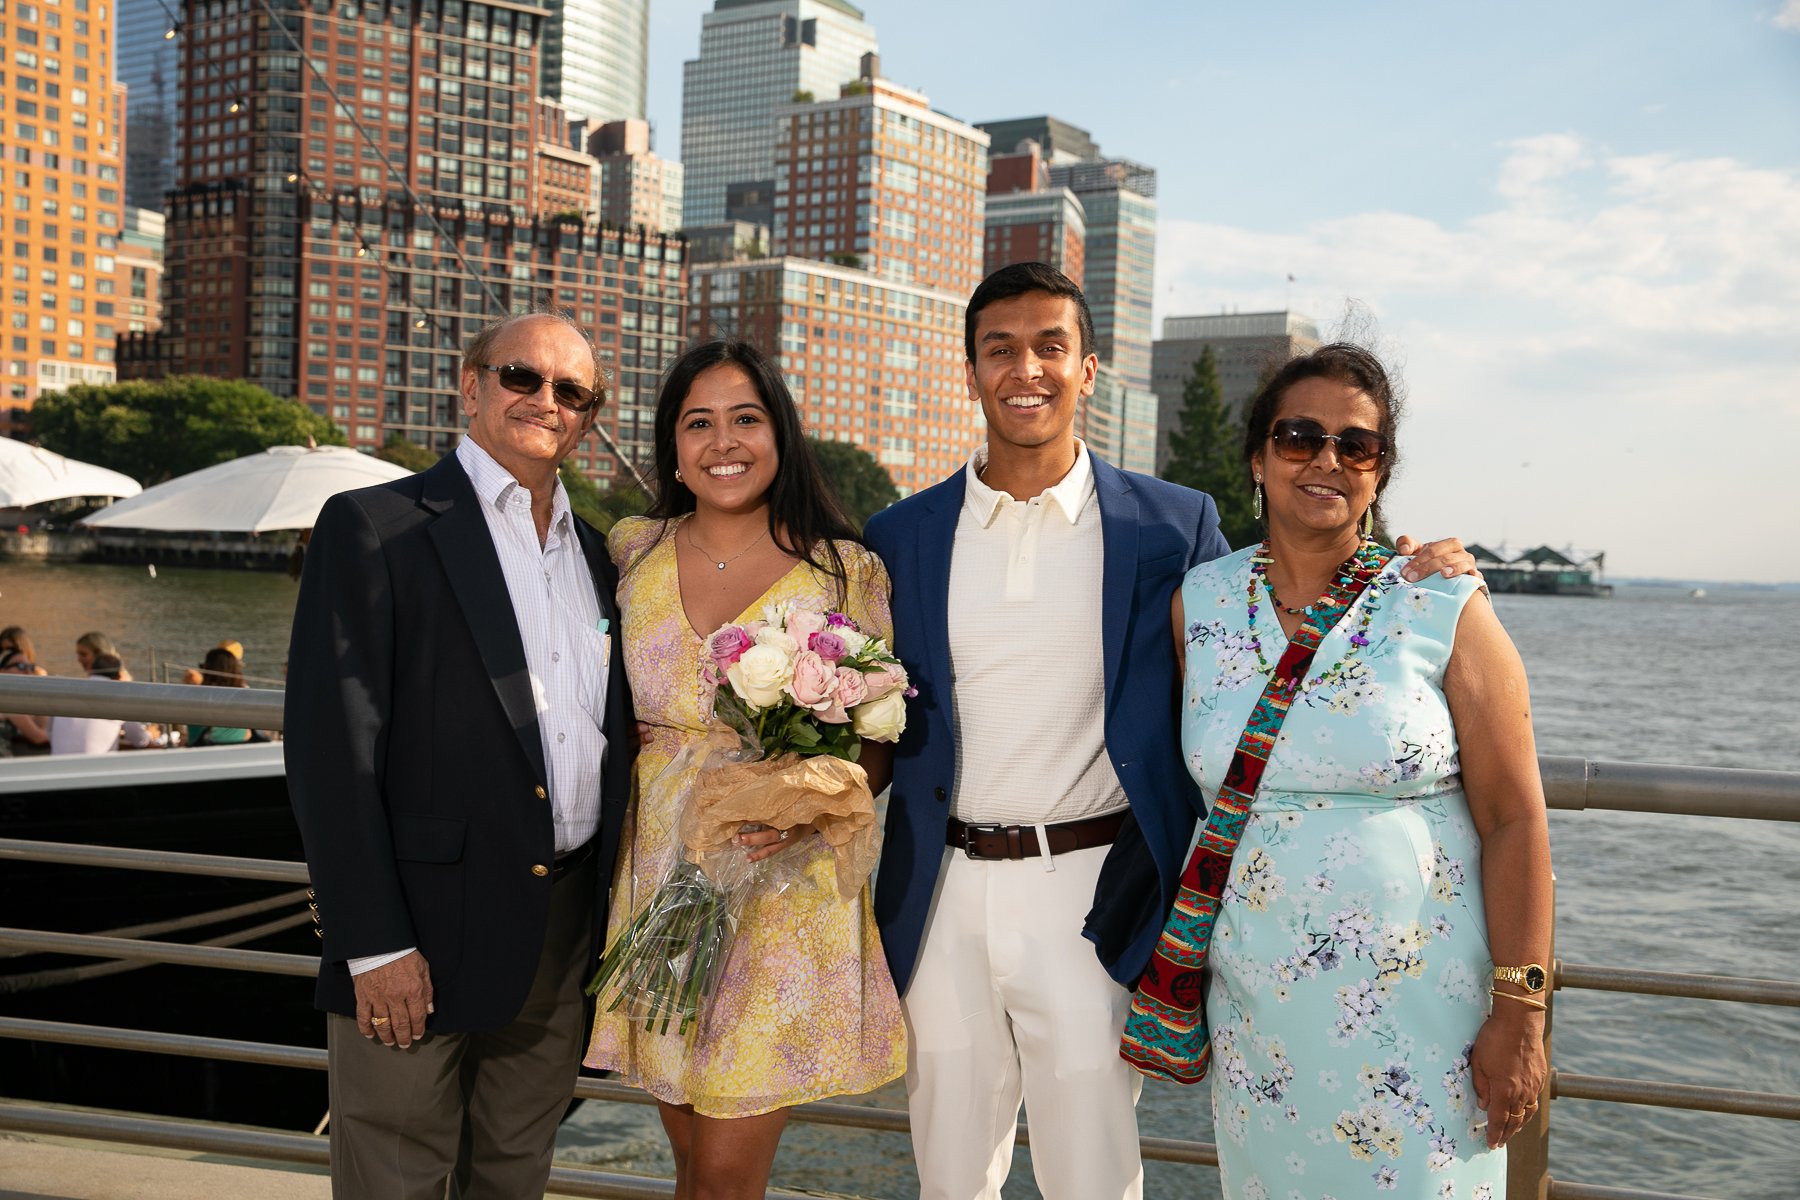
{"x": 1341, "y": 362}
{"x": 806, "y": 518}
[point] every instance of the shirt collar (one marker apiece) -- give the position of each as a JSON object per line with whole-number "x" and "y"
{"x": 1069, "y": 495}
{"x": 496, "y": 485}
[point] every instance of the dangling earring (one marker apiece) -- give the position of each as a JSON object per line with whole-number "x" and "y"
{"x": 677, "y": 474}
{"x": 1259, "y": 498}
{"x": 1368, "y": 520}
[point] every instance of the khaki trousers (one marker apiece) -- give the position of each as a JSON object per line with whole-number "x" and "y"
{"x": 1008, "y": 1002}
{"x": 399, "y": 1118}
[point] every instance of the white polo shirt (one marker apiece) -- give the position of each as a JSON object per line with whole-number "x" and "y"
{"x": 1026, "y": 660}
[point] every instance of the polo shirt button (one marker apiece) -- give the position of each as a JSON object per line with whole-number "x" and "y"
{"x": 540, "y": 870}
{"x": 560, "y": 737}
{"x": 540, "y": 793}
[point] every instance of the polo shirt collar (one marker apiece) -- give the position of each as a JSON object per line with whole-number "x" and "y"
{"x": 1069, "y": 495}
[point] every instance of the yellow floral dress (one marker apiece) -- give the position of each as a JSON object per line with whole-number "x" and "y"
{"x": 806, "y": 1008}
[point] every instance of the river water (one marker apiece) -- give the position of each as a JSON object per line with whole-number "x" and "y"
{"x": 1650, "y": 676}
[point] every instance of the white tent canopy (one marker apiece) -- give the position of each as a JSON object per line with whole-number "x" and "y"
{"x": 32, "y": 475}
{"x": 284, "y": 487}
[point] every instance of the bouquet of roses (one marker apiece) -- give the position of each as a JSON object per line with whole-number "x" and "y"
{"x": 793, "y": 695}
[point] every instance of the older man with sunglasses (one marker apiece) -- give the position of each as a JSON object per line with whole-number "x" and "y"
{"x": 459, "y": 754}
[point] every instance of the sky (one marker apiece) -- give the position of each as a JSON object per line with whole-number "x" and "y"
{"x": 1576, "y": 228}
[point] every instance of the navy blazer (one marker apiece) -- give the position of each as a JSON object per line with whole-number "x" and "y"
{"x": 1153, "y": 532}
{"x": 414, "y": 761}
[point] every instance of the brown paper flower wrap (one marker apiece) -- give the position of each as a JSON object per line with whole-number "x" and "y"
{"x": 828, "y": 793}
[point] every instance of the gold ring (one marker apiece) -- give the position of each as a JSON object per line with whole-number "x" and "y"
{"x": 378, "y": 1020}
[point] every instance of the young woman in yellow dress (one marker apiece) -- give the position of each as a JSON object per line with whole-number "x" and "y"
{"x": 743, "y": 518}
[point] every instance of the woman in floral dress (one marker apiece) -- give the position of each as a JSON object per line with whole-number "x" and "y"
{"x": 1363, "y": 1043}
{"x": 806, "y": 1008}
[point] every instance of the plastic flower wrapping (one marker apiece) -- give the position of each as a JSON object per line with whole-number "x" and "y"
{"x": 793, "y": 696}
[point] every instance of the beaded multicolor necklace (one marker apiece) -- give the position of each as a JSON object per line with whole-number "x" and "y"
{"x": 1364, "y": 565}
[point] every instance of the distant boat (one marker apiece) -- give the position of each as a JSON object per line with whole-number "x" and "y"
{"x": 1697, "y": 594}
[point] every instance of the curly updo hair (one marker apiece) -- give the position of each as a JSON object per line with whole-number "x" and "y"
{"x": 1341, "y": 362}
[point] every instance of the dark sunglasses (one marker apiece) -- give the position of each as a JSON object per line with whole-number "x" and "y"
{"x": 527, "y": 382}
{"x": 1299, "y": 440}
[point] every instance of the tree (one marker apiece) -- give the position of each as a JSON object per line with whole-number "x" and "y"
{"x": 1206, "y": 452}
{"x": 156, "y": 429}
{"x": 601, "y": 509}
{"x": 403, "y": 453}
{"x": 862, "y": 484}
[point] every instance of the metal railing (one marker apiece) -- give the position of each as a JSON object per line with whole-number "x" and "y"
{"x": 1570, "y": 784}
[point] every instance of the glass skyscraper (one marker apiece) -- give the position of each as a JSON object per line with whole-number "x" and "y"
{"x": 756, "y": 55}
{"x": 595, "y": 55}
{"x": 146, "y": 66}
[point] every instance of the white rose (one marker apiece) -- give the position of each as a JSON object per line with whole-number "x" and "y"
{"x": 772, "y": 636}
{"x": 760, "y": 675}
{"x": 881, "y": 720}
{"x": 853, "y": 641}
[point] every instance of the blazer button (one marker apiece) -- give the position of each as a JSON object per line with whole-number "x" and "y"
{"x": 319, "y": 933}
{"x": 540, "y": 870}
{"x": 540, "y": 793}
{"x": 939, "y": 793}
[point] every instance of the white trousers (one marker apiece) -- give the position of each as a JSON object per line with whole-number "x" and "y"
{"x": 1007, "y": 1003}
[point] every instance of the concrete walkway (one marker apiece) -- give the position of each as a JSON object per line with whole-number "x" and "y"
{"x": 33, "y": 1168}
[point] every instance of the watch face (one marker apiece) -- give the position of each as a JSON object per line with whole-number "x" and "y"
{"x": 1534, "y": 978}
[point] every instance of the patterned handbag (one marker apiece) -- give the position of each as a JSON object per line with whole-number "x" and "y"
{"x": 1165, "y": 1032}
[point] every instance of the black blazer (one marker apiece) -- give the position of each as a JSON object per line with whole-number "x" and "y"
{"x": 414, "y": 762}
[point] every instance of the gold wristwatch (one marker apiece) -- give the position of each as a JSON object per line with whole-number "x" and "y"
{"x": 1531, "y": 977}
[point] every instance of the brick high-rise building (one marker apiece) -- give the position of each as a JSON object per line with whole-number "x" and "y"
{"x": 876, "y": 179}
{"x": 877, "y": 245}
{"x": 61, "y": 200}
{"x": 357, "y": 196}
{"x": 756, "y": 55}
{"x": 636, "y": 186}
{"x": 1028, "y": 220}
{"x": 870, "y": 361}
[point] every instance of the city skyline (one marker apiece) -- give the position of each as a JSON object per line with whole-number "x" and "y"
{"x": 1567, "y": 225}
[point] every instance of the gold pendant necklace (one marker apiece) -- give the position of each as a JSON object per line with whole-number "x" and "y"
{"x": 716, "y": 561}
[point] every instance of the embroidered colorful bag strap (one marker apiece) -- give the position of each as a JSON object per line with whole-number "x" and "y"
{"x": 1165, "y": 1032}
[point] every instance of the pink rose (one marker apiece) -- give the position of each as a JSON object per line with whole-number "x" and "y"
{"x": 852, "y": 688}
{"x": 801, "y": 625}
{"x": 727, "y": 646}
{"x": 828, "y": 646}
{"x": 814, "y": 684}
{"x": 884, "y": 679}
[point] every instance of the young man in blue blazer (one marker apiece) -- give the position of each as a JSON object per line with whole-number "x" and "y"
{"x": 1040, "y": 807}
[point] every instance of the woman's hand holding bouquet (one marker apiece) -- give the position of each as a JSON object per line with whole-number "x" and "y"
{"x": 794, "y": 694}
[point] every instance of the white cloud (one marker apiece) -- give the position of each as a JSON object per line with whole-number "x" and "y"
{"x": 1624, "y": 323}
{"x": 1789, "y": 16}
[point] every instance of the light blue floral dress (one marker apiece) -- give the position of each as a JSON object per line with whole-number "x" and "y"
{"x": 1350, "y": 963}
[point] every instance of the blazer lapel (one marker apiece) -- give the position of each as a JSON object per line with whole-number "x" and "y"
{"x": 1119, "y": 539}
{"x": 466, "y": 550}
{"x": 935, "y": 543}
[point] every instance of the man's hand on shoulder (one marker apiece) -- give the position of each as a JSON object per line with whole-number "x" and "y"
{"x": 392, "y": 1001}
{"x": 1445, "y": 557}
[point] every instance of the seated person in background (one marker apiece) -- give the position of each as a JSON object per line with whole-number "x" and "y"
{"x": 221, "y": 668}
{"x": 19, "y": 727}
{"x": 13, "y": 641}
{"x": 97, "y": 735}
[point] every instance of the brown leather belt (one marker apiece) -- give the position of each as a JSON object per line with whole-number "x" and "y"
{"x": 1021, "y": 841}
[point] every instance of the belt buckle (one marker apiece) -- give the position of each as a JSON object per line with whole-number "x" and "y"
{"x": 969, "y": 833}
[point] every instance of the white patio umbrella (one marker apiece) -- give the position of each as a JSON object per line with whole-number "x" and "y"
{"x": 282, "y": 488}
{"x": 32, "y": 475}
